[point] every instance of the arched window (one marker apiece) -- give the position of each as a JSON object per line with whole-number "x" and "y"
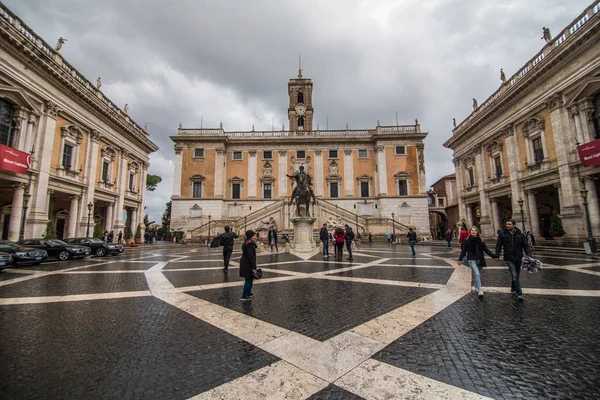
{"x": 300, "y": 97}
{"x": 7, "y": 123}
{"x": 596, "y": 116}
{"x": 300, "y": 122}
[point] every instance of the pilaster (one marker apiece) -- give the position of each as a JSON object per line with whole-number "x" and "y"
{"x": 422, "y": 177}
{"x": 534, "y": 218}
{"x": 282, "y": 168}
{"x": 318, "y": 173}
{"x": 348, "y": 173}
{"x": 252, "y": 174}
{"x": 178, "y": 172}
{"x": 382, "y": 171}
{"x": 16, "y": 212}
{"x": 219, "y": 174}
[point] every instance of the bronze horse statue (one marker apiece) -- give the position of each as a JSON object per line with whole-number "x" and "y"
{"x": 302, "y": 193}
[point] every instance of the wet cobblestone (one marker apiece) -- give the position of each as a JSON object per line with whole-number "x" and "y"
{"x": 333, "y": 392}
{"x": 549, "y": 278}
{"x": 410, "y": 274}
{"x": 116, "y": 349}
{"x": 317, "y": 308}
{"x": 70, "y": 284}
{"x": 309, "y": 267}
{"x": 504, "y": 349}
{"x": 207, "y": 277}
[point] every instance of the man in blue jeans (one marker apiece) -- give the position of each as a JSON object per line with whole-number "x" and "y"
{"x": 514, "y": 243}
{"x": 227, "y": 243}
{"x": 412, "y": 240}
{"x": 349, "y": 239}
{"x": 324, "y": 236}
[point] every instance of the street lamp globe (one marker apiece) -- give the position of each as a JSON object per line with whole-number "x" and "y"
{"x": 90, "y": 206}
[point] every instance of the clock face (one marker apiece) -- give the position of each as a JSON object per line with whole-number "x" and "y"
{"x": 300, "y": 109}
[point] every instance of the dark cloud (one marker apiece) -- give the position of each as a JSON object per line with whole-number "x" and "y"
{"x": 230, "y": 60}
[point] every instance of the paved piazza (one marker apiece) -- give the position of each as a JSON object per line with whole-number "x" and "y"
{"x": 169, "y": 324}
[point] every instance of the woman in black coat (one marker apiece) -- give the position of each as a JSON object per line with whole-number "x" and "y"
{"x": 473, "y": 248}
{"x": 248, "y": 264}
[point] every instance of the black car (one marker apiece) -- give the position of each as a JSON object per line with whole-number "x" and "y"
{"x": 97, "y": 246}
{"x": 23, "y": 255}
{"x": 6, "y": 260}
{"x": 57, "y": 248}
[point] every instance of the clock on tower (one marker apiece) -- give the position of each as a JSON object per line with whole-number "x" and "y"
{"x": 300, "y": 110}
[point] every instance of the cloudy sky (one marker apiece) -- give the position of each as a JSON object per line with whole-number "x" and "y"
{"x": 230, "y": 60}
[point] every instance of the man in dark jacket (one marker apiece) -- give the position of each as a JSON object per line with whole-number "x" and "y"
{"x": 514, "y": 243}
{"x": 324, "y": 236}
{"x": 448, "y": 236}
{"x": 349, "y": 239}
{"x": 273, "y": 239}
{"x": 412, "y": 240}
{"x": 227, "y": 243}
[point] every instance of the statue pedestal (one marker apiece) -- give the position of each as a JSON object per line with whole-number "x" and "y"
{"x": 303, "y": 234}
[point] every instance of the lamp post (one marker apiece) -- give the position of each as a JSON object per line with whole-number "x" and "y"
{"x": 393, "y": 228}
{"x": 245, "y": 223}
{"x": 208, "y": 229}
{"x": 522, "y": 214}
{"x": 590, "y": 237}
{"x": 89, "y": 206}
{"x": 26, "y": 198}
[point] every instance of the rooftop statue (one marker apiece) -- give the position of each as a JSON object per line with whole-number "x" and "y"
{"x": 98, "y": 83}
{"x": 502, "y": 75}
{"x": 547, "y": 36}
{"x": 59, "y": 43}
{"x": 475, "y": 104}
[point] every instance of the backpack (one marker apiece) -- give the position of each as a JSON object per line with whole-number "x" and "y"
{"x": 349, "y": 234}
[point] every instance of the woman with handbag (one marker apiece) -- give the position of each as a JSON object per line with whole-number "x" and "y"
{"x": 248, "y": 264}
{"x": 473, "y": 249}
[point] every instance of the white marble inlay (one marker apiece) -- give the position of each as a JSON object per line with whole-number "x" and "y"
{"x": 549, "y": 292}
{"x": 383, "y": 282}
{"x": 327, "y": 360}
{"x": 75, "y": 297}
{"x": 278, "y": 381}
{"x": 376, "y": 380}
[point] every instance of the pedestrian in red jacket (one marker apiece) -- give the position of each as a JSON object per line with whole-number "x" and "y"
{"x": 339, "y": 236}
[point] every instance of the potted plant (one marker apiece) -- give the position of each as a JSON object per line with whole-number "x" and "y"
{"x": 98, "y": 231}
{"x": 128, "y": 235}
{"x": 138, "y": 235}
{"x": 50, "y": 231}
{"x": 556, "y": 230}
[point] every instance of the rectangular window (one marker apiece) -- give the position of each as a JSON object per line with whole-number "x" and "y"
{"x": 131, "y": 182}
{"x": 199, "y": 153}
{"x": 498, "y": 166}
{"x": 403, "y": 187}
{"x": 538, "y": 152}
{"x": 400, "y": 150}
{"x": 441, "y": 202}
{"x": 333, "y": 189}
{"x": 197, "y": 190}
{"x": 237, "y": 155}
{"x": 67, "y": 156}
{"x": 364, "y": 189}
{"x": 267, "y": 155}
{"x": 267, "y": 191}
{"x": 471, "y": 177}
{"x": 363, "y": 154}
{"x": 236, "y": 191}
{"x": 301, "y": 154}
{"x": 105, "y": 167}
{"x": 333, "y": 154}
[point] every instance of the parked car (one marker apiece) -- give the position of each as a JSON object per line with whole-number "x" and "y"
{"x": 57, "y": 248}
{"x": 6, "y": 260}
{"x": 23, "y": 255}
{"x": 97, "y": 246}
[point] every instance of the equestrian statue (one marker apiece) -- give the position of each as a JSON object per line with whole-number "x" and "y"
{"x": 302, "y": 192}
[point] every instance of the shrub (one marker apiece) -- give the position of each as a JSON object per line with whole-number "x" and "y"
{"x": 556, "y": 227}
{"x": 50, "y": 231}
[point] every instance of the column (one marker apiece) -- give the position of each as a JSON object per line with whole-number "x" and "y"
{"x": 348, "y": 173}
{"x": 121, "y": 187}
{"x": 145, "y": 167}
{"x": 178, "y": 171}
{"x": 39, "y": 207}
{"x": 484, "y": 221}
{"x": 20, "y": 118}
{"x": 16, "y": 212}
{"x": 382, "y": 171}
{"x": 252, "y": 174}
{"x": 515, "y": 168}
{"x": 282, "y": 168}
{"x": 534, "y": 218}
{"x": 574, "y": 114}
{"x": 422, "y": 178}
{"x": 72, "y": 227}
{"x": 593, "y": 206}
{"x": 220, "y": 173}
{"x": 462, "y": 214}
{"x": 586, "y": 110}
{"x": 108, "y": 218}
{"x": 496, "y": 222}
{"x": 90, "y": 174}
{"x": 469, "y": 216}
{"x": 319, "y": 173}
{"x": 31, "y": 124}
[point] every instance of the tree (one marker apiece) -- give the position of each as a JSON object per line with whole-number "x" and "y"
{"x": 138, "y": 233}
{"x": 152, "y": 181}
{"x": 50, "y": 231}
{"x": 166, "y": 218}
{"x": 556, "y": 227}
{"x": 127, "y": 234}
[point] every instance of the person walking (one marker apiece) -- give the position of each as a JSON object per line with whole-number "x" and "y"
{"x": 120, "y": 237}
{"x": 227, "y": 240}
{"x": 370, "y": 238}
{"x": 412, "y": 240}
{"x": 472, "y": 250}
{"x": 462, "y": 235}
{"x": 349, "y": 238}
{"x": 324, "y": 236}
{"x": 248, "y": 264}
{"x": 273, "y": 239}
{"x": 111, "y": 236}
{"x": 448, "y": 236}
{"x": 339, "y": 236}
{"x": 514, "y": 243}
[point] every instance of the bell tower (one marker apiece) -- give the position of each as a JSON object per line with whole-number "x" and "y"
{"x": 300, "y": 110}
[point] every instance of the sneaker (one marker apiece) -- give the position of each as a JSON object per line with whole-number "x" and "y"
{"x": 513, "y": 292}
{"x": 480, "y": 294}
{"x": 251, "y": 296}
{"x": 324, "y": 256}
{"x": 520, "y": 298}
{"x": 246, "y": 298}
{"x": 473, "y": 289}
{"x": 350, "y": 259}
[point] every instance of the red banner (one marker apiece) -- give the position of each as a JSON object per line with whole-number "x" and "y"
{"x": 14, "y": 160}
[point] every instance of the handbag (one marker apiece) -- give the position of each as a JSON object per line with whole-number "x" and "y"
{"x": 258, "y": 274}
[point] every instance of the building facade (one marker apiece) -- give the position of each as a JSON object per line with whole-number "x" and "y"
{"x": 84, "y": 158}
{"x": 516, "y": 154}
{"x": 443, "y": 206}
{"x": 374, "y": 178}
